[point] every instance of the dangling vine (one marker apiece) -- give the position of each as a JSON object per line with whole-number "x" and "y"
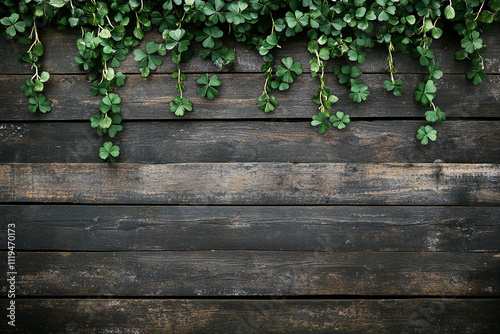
{"x": 111, "y": 30}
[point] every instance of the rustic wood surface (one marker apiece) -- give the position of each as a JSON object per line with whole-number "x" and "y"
{"x": 274, "y": 315}
{"x": 148, "y": 99}
{"x": 232, "y": 220}
{"x": 61, "y": 50}
{"x": 251, "y": 141}
{"x": 276, "y": 228}
{"x": 253, "y": 184}
{"x": 256, "y": 273}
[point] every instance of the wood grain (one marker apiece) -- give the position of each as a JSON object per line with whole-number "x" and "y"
{"x": 251, "y": 141}
{"x": 255, "y": 273}
{"x": 276, "y": 228}
{"x": 433, "y": 315}
{"x": 252, "y": 183}
{"x": 146, "y": 99}
{"x": 61, "y": 50}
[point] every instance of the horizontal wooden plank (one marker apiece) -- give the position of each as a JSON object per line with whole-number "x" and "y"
{"x": 297, "y": 228}
{"x": 436, "y": 315}
{"x": 252, "y": 141}
{"x": 60, "y": 51}
{"x": 254, "y": 273}
{"x": 252, "y": 183}
{"x": 149, "y": 98}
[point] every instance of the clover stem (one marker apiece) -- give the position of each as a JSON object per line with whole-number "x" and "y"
{"x": 272, "y": 28}
{"x": 480, "y": 9}
{"x": 322, "y": 82}
{"x": 179, "y": 80}
{"x": 34, "y": 31}
{"x": 268, "y": 74}
{"x": 109, "y": 21}
{"x": 138, "y": 22}
{"x": 272, "y": 19}
{"x": 433, "y": 106}
{"x": 391, "y": 61}
{"x": 104, "y": 72}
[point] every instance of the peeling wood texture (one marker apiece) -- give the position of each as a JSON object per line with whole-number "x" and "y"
{"x": 232, "y": 220}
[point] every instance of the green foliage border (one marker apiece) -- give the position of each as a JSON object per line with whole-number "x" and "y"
{"x": 110, "y": 30}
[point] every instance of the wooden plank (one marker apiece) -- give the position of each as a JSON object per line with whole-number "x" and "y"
{"x": 149, "y": 98}
{"x": 290, "y": 228}
{"x": 436, "y": 315}
{"x": 255, "y": 273}
{"x": 252, "y": 183}
{"x": 61, "y": 50}
{"x": 252, "y": 141}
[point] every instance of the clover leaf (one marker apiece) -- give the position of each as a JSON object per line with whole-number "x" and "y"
{"x": 339, "y": 120}
{"x": 214, "y": 12}
{"x": 476, "y": 76}
{"x": 425, "y": 56}
{"x": 238, "y": 13}
{"x": 208, "y": 89}
{"x": 295, "y": 22}
{"x": 176, "y": 40}
{"x": 110, "y": 102}
{"x": 359, "y": 91}
{"x": 346, "y": 73}
{"x": 39, "y": 102}
{"x": 425, "y": 93}
{"x": 396, "y": 87}
{"x": 433, "y": 116}
{"x": 210, "y": 37}
{"x": 471, "y": 42}
{"x": 426, "y": 133}
{"x": 146, "y": 59}
{"x": 179, "y": 105}
{"x": 13, "y": 24}
{"x": 266, "y": 102}
{"x": 286, "y": 74}
{"x": 109, "y": 152}
{"x": 28, "y": 88}
{"x": 320, "y": 121}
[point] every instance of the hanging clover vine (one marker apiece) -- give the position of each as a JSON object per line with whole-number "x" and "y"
{"x": 111, "y": 30}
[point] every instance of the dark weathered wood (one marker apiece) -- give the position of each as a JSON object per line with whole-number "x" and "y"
{"x": 61, "y": 51}
{"x": 252, "y": 183}
{"x": 435, "y": 315}
{"x": 144, "y": 99}
{"x": 322, "y": 229}
{"x": 255, "y": 273}
{"x": 251, "y": 141}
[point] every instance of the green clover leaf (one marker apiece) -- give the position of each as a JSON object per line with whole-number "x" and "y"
{"x": 426, "y": 133}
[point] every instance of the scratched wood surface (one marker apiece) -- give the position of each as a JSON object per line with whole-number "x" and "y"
{"x": 231, "y": 220}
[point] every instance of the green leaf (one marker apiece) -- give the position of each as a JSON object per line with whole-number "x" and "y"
{"x": 339, "y": 120}
{"x": 58, "y": 3}
{"x": 208, "y": 89}
{"x": 426, "y": 133}
{"x": 38, "y": 85}
{"x": 449, "y": 12}
{"x": 152, "y": 47}
{"x": 109, "y": 151}
{"x": 105, "y": 122}
{"x": 321, "y": 121}
{"x": 44, "y": 76}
